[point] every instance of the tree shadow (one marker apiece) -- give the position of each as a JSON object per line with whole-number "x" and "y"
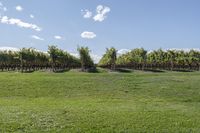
{"x": 93, "y": 70}
{"x": 154, "y": 70}
{"x": 61, "y": 71}
{"x": 123, "y": 70}
{"x": 182, "y": 70}
{"x": 27, "y": 71}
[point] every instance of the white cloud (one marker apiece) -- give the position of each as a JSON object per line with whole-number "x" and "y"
{"x": 95, "y": 58}
{"x": 58, "y": 37}
{"x": 88, "y": 35}
{"x": 8, "y": 49}
{"x": 37, "y": 37}
{"x": 87, "y": 13}
{"x": 19, "y": 8}
{"x": 2, "y": 7}
{"x": 32, "y": 16}
{"x": 101, "y": 13}
{"x": 5, "y": 9}
{"x": 183, "y": 49}
{"x": 177, "y": 49}
{"x": 123, "y": 51}
{"x": 19, "y": 23}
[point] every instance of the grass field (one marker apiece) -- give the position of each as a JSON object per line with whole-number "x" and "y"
{"x": 100, "y": 102}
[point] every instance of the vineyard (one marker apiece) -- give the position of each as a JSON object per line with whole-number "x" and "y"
{"x": 140, "y": 59}
{"x": 55, "y": 59}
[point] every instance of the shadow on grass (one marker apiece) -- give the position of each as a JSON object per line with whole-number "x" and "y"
{"x": 61, "y": 71}
{"x": 94, "y": 70}
{"x": 182, "y": 70}
{"x": 32, "y": 71}
{"x": 126, "y": 70}
{"x": 123, "y": 70}
{"x": 154, "y": 70}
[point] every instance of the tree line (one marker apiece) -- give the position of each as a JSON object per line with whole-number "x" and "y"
{"x": 141, "y": 59}
{"x": 30, "y": 59}
{"x": 55, "y": 59}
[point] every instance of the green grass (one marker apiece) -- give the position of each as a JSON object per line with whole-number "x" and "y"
{"x": 100, "y": 102}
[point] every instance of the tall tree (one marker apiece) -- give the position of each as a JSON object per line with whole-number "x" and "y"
{"x": 109, "y": 58}
{"x": 86, "y": 60}
{"x": 53, "y": 50}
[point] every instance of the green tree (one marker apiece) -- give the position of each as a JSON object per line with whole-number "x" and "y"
{"x": 109, "y": 58}
{"x": 85, "y": 59}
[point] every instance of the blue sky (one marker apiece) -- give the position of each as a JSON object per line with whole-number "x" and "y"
{"x": 124, "y": 24}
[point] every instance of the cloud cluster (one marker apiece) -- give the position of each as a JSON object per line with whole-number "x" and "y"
{"x": 95, "y": 58}
{"x": 19, "y": 23}
{"x": 37, "y": 37}
{"x": 8, "y": 49}
{"x": 88, "y": 35}
{"x": 183, "y": 49}
{"x": 2, "y": 7}
{"x": 86, "y": 13}
{"x": 101, "y": 13}
{"x": 14, "y": 21}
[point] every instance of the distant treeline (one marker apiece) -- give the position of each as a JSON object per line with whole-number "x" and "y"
{"x": 158, "y": 59}
{"x": 29, "y": 59}
{"x": 55, "y": 59}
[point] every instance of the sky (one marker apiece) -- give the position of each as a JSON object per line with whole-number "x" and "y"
{"x": 100, "y": 24}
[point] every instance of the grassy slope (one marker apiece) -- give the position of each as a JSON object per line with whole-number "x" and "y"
{"x": 103, "y": 102}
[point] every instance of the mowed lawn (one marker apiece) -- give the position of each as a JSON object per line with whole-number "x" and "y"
{"x": 100, "y": 102}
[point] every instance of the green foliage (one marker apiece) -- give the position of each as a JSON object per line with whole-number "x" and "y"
{"x": 9, "y": 57}
{"x": 30, "y": 59}
{"x": 86, "y": 60}
{"x": 134, "y": 56}
{"x": 109, "y": 58}
{"x": 61, "y": 59}
{"x": 159, "y": 59}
